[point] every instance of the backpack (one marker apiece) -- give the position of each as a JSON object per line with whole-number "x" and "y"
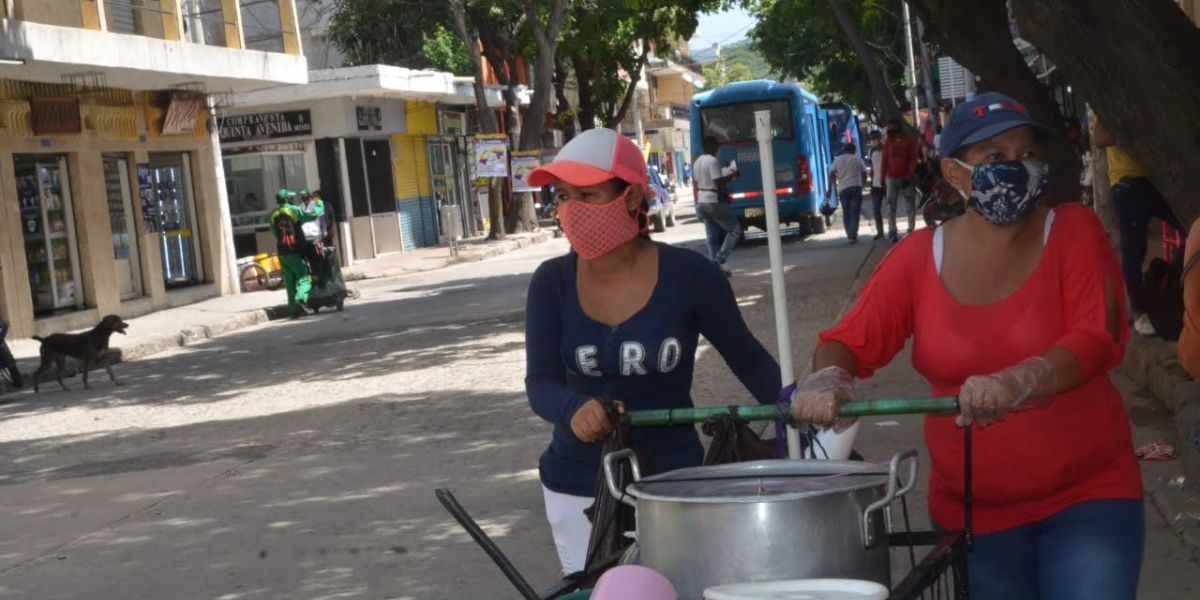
{"x": 290, "y": 239}
{"x": 1162, "y": 295}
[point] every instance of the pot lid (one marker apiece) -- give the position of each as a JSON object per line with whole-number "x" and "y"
{"x": 801, "y": 589}
{"x": 759, "y": 481}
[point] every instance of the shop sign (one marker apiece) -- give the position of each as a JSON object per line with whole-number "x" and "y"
{"x": 523, "y": 163}
{"x": 55, "y": 116}
{"x": 264, "y": 126}
{"x": 370, "y": 118}
{"x": 264, "y": 149}
{"x": 491, "y": 155}
{"x": 182, "y": 114}
{"x": 149, "y": 202}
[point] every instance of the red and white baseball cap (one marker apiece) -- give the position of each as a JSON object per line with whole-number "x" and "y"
{"x": 593, "y": 157}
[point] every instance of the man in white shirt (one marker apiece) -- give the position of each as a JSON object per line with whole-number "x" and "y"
{"x": 878, "y": 192}
{"x": 849, "y": 173}
{"x": 718, "y": 217}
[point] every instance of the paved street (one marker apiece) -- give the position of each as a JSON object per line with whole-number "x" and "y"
{"x": 299, "y": 459}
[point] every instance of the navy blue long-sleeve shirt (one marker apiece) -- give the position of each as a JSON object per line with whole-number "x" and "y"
{"x": 646, "y": 362}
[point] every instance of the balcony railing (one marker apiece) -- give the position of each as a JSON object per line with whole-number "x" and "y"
{"x": 267, "y": 25}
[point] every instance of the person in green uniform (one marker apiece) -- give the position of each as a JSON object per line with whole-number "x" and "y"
{"x": 286, "y": 222}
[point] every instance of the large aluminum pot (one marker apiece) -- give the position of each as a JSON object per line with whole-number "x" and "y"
{"x": 765, "y": 520}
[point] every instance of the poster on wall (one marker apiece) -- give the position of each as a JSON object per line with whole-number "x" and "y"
{"x": 149, "y": 202}
{"x": 491, "y": 155}
{"x": 523, "y": 163}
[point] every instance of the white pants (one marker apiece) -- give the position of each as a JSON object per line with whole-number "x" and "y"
{"x": 570, "y": 527}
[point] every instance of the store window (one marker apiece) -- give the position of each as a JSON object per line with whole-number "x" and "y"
{"x": 124, "y": 229}
{"x": 178, "y": 236}
{"x": 48, "y": 225}
{"x": 252, "y": 181}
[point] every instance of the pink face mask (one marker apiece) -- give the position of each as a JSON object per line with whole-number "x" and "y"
{"x": 597, "y": 229}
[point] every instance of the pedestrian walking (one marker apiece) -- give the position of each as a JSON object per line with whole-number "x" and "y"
{"x": 875, "y": 148}
{"x": 619, "y": 318}
{"x": 899, "y": 168}
{"x": 848, "y": 175}
{"x": 1136, "y": 201}
{"x": 286, "y": 223}
{"x": 721, "y": 227}
{"x": 1018, "y": 319}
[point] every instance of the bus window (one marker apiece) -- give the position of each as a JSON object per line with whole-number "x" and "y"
{"x": 839, "y": 122}
{"x": 734, "y": 124}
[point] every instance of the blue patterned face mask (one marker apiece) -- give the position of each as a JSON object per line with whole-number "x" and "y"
{"x": 1004, "y": 192}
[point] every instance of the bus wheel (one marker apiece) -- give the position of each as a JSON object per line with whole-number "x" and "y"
{"x": 805, "y": 227}
{"x": 818, "y": 224}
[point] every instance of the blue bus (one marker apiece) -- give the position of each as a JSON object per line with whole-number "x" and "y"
{"x": 807, "y": 136}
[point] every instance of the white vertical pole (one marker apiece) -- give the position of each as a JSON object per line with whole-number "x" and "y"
{"x": 912, "y": 67}
{"x": 762, "y": 122}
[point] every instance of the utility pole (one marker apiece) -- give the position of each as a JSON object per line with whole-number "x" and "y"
{"x": 912, "y": 67}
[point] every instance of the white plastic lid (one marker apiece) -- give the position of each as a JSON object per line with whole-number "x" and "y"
{"x": 800, "y": 589}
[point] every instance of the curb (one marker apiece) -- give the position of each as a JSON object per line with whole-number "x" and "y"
{"x": 1155, "y": 364}
{"x": 192, "y": 334}
{"x": 486, "y": 252}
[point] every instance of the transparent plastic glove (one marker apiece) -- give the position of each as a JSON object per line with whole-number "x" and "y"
{"x": 817, "y": 397}
{"x": 986, "y": 399}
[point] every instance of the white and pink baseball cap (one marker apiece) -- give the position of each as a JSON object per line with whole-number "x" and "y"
{"x": 593, "y": 157}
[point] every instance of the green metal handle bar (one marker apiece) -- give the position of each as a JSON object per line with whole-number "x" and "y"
{"x": 861, "y": 408}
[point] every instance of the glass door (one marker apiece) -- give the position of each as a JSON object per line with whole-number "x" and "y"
{"x": 124, "y": 231}
{"x": 171, "y": 183}
{"x": 48, "y": 225}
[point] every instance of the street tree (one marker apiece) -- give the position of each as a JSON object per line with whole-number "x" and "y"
{"x": 469, "y": 34}
{"x": 848, "y": 51}
{"x": 608, "y": 66}
{"x": 977, "y": 35}
{"x": 386, "y": 32}
{"x": 1135, "y": 63}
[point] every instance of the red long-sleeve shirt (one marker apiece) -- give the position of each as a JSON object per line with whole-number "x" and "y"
{"x": 900, "y": 157}
{"x": 1036, "y": 462}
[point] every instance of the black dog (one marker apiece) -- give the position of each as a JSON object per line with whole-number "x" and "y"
{"x": 90, "y": 347}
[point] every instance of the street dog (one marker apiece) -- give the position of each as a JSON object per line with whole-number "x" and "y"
{"x": 89, "y": 347}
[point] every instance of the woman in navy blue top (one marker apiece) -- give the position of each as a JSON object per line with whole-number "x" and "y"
{"x": 620, "y": 318}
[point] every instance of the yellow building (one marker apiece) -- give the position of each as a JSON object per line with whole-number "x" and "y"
{"x": 664, "y": 100}
{"x": 110, "y": 185}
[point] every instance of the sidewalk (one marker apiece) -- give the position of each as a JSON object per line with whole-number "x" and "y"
{"x": 425, "y": 259}
{"x": 177, "y": 327}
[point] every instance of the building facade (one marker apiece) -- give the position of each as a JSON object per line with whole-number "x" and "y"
{"x": 111, "y": 183}
{"x": 664, "y": 97}
{"x": 386, "y": 146}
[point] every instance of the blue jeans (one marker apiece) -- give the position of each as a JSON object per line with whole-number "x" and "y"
{"x": 896, "y": 188}
{"x": 719, "y": 220}
{"x": 851, "y": 200}
{"x": 1136, "y": 200}
{"x": 877, "y": 194}
{"x": 1090, "y": 551}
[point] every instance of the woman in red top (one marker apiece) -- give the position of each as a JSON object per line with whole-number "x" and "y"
{"x": 1013, "y": 309}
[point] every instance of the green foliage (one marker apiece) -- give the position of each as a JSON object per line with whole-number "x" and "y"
{"x": 607, "y": 40}
{"x": 385, "y": 31}
{"x": 724, "y": 72}
{"x": 445, "y": 51}
{"x": 799, "y": 38}
{"x": 746, "y": 53}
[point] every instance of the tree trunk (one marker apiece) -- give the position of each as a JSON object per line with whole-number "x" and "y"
{"x": 613, "y": 121}
{"x": 977, "y": 35}
{"x": 587, "y": 100}
{"x": 883, "y": 94}
{"x": 545, "y": 34}
{"x": 487, "y": 118}
{"x": 1135, "y": 62}
{"x": 563, "y": 109}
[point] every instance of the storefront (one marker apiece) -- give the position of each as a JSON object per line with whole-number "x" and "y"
{"x": 384, "y": 145}
{"x": 109, "y": 215}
